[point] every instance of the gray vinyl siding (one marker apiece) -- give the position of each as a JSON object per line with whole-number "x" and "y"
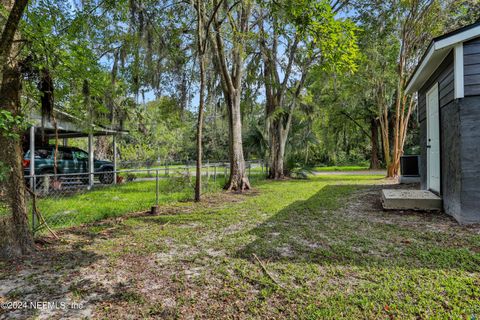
{"x": 459, "y": 135}
{"x": 470, "y": 159}
{"x": 469, "y": 134}
{"x": 471, "y": 61}
{"x": 444, "y": 75}
{"x": 450, "y": 151}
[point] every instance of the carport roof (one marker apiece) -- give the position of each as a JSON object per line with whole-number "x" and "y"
{"x": 70, "y": 126}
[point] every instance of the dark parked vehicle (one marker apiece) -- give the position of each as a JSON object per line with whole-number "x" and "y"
{"x": 70, "y": 160}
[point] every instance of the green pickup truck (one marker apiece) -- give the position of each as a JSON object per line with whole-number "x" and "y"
{"x": 70, "y": 160}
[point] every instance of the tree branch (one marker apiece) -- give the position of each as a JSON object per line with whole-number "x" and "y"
{"x": 356, "y": 122}
{"x": 8, "y": 32}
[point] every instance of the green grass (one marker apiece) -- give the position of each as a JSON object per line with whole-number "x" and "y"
{"x": 332, "y": 265}
{"x": 341, "y": 168}
{"x": 64, "y": 210}
{"x": 333, "y": 254}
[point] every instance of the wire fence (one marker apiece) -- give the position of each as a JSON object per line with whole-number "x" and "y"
{"x": 172, "y": 164}
{"x": 66, "y": 200}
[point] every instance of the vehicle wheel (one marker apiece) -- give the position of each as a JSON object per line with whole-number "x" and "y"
{"x": 106, "y": 177}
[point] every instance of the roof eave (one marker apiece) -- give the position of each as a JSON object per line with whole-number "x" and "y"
{"x": 413, "y": 81}
{"x": 438, "y": 50}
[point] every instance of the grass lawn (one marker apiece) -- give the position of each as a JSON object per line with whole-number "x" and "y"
{"x": 299, "y": 249}
{"x": 66, "y": 210}
{"x": 341, "y": 168}
{"x": 63, "y": 210}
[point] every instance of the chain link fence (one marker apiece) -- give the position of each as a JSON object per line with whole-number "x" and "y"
{"x": 66, "y": 200}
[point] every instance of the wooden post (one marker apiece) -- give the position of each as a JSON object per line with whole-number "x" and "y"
{"x": 90, "y": 160}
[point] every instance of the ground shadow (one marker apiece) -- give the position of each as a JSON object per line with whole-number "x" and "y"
{"x": 55, "y": 273}
{"x": 361, "y": 233}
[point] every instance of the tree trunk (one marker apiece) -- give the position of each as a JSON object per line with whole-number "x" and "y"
{"x": 10, "y": 29}
{"x": 231, "y": 75}
{"x": 275, "y": 92}
{"x": 384, "y": 124}
{"x": 11, "y": 156}
{"x": 278, "y": 140}
{"x": 201, "y": 45}
{"x": 198, "y": 181}
{"x": 374, "y": 161}
{"x": 16, "y": 227}
{"x": 238, "y": 180}
{"x": 102, "y": 148}
{"x": 400, "y": 104}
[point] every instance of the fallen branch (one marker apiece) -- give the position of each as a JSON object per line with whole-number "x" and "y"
{"x": 268, "y": 273}
{"x": 38, "y": 214}
{"x": 165, "y": 224}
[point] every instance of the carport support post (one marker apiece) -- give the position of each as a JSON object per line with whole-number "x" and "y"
{"x": 90, "y": 160}
{"x": 114, "y": 159}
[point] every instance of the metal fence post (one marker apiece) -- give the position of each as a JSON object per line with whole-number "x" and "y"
{"x": 114, "y": 159}
{"x": 156, "y": 188}
{"x": 90, "y": 160}
{"x": 32, "y": 155}
{"x": 154, "y": 209}
{"x": 34, "y": 189}
{"x": 215, "y": 172}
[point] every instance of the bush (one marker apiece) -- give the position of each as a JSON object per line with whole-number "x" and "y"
{"x": 297, "y": 169}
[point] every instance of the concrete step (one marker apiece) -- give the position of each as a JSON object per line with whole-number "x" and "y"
{"x": 397, "y": 199}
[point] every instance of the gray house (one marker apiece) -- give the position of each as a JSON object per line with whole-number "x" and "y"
{"x": 447, "y": 80}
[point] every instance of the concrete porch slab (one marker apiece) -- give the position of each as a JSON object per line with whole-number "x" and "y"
{"x": 410, "y": 200}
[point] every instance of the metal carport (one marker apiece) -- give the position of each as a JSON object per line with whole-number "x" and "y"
{"x": 68, "y": 126}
